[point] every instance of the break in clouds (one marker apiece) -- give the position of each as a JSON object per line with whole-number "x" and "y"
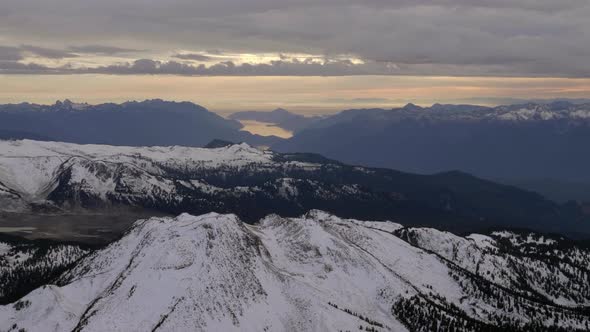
{"x": 321, "y": 37}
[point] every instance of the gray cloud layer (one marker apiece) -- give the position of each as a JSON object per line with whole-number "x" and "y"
{"x": 47, "y": 52}
{"x": 101, "y": 49}
{"x": 10, "y": 53}
{"x": 422, "y": 37}
{"x": 225, "y": 68}
{"x": 192, "y": 56}
{"x": 16, "y": 53}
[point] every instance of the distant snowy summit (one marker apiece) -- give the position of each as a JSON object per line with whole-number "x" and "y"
{"x": 559, "y": 110}
{"x": 313, "y": 273}
{"x": 543, "y": 112}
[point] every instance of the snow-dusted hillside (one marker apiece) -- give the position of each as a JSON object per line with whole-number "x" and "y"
{"x": 25, "y": 265}
{"x": 529, "y": 264}
{"x": 313, "y": 273}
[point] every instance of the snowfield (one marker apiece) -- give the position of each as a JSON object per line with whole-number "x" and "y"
{"x": 317, "y": 272}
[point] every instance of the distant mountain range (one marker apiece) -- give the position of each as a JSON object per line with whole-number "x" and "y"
{"x": 150, "y": 122}
{"x": 530, "y": 145}
{"x": 280, "y": 117}
{"x": 543, "y": 141}
{"x": 316, "y": 272}
{"x": 63, "y": 178}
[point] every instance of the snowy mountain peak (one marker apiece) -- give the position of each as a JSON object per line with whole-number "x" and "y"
{"x": 313, "y": 273}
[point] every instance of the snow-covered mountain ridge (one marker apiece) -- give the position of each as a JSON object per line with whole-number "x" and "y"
{"x": 30, "y": 171}
{"x": 515, "y": 113}
{"x": 574, "y": 114}
{"x": 312, "y": 273}
{"x": 542, "y": 112}
{"x": 52, "y": 177}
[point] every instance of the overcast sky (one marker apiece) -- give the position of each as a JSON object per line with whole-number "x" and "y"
{"x": 301, "y": 38}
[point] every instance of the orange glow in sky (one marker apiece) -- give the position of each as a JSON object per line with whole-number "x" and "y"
{"x": 307, "y": 95}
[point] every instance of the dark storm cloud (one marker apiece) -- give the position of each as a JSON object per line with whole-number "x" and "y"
{"x": 422, "y": 37}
